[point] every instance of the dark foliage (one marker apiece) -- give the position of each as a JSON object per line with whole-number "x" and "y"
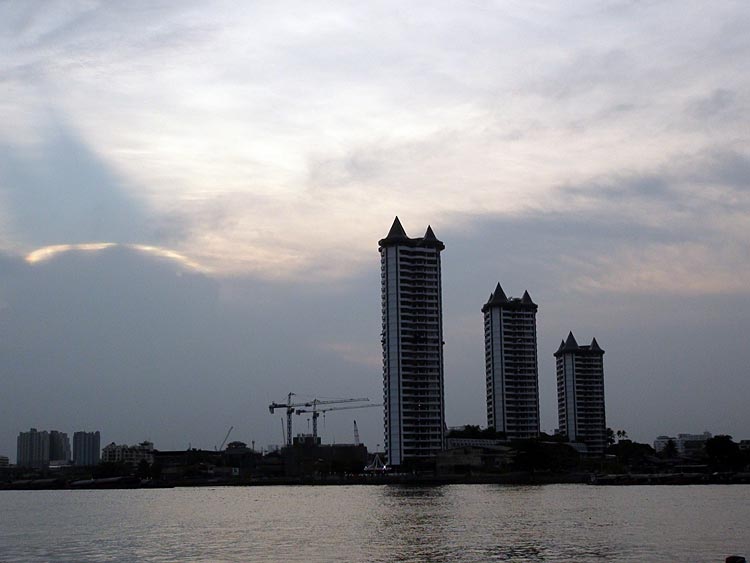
{"x": 724, "y": 454}
{"x": 538, "y": 455}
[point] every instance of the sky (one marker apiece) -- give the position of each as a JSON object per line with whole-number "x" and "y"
{"x": 191, "y": 196}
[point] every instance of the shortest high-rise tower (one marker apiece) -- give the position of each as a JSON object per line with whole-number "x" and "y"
{"x": 580, "y": 394}
{"x": 511, "y": 364}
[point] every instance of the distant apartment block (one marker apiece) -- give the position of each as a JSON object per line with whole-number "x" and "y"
{"x": 86, "y": 448}
{"x": 511, "y": 369}
{"x": 33, "y": 449}
{"x": 580, "y": 394}
{"x": 685, "y": 444}
{"x": 132, "y": 455}
{"x": 4, "y": 461}
{"x": 412, "y": 340}
{"x": 59, "y": 448}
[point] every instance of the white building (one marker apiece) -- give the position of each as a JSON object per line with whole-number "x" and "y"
{"x": 661, "y": 442}
{"x": 412, "y": 340}
{"x": 132, "y": 455}
{"x": 511, "y": 372}
{"x": 580, "y": 394}
{"x": 684, "y": 443}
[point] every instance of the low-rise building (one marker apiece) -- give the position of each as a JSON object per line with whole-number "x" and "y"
{"x": 453, "y": 443}
{"x": 686, "y": 444}
{"x": 4, "y": 462}
{"x": 132, "y": 455}
{"x": 660, "y": 444}
{"x": 475, "y": 459}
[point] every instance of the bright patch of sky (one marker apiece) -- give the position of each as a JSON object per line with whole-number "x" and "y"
{"x": 273, "y": 135}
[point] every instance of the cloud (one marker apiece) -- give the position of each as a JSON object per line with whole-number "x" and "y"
{"x": 687, "y": 269}
{"x": 255, "y": 142}
{"x": 258, "y": 141}
{"x": 61, "y": 191}
{"x": 720, "y": 102}
{"x": 140, "y": 346}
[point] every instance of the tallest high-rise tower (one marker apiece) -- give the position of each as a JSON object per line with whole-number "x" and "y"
{"x": 412, "y": 340}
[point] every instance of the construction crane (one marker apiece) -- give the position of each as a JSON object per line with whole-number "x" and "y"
{"x": 289, "y": 406}
{"x": 226, "y": 438}
{"x": 316, "y": 412}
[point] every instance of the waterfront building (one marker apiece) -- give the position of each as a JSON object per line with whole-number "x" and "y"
{"x": 660, "y": 444}
{"x": 685, "y": 444}
{"x": 33, "y": 449}
{"x": 4, "y": 461}
{"x": 131, "y": 455}
{"x": 86, "y": 448}
{"x": 692, "y": 444}
{"x": 511, "y": 372}
{"x": 580, "y": 394}
{"x": 457, "y": 443}
{"x": 412, "y": 340}
{"x": 59, "y": 448}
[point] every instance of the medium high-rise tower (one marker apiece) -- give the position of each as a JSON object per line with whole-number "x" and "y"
{"x": 580, "y": 393}
{"x": 86, "y": 448}
{"x": 412, "y": 340}
{"x": 511, "y": 371}
{"x": 33, "y": 449}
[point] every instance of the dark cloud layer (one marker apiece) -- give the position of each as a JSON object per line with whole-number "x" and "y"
{"x": 61, "y": 191}
{"x": 138, "y": 347}
{"x": 594, "y": 155}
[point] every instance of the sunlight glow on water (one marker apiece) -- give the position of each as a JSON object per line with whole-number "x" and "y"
{"x": 468, "y": 523}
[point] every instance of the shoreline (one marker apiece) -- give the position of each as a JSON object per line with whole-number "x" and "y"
{"x": 672, "y": 479}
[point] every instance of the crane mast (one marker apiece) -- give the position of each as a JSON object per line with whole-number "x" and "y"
{"x": 289, "y": 406}
{"x": 317, "y": 412}
{"x": 224, "y": 441}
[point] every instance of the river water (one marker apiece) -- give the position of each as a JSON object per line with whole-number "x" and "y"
{"x": 466, "y": 523}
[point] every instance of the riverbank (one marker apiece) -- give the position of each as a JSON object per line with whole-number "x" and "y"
{"x": 516, "y": 478}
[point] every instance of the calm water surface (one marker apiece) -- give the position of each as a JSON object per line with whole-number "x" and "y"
{"x": 472, "y": 523}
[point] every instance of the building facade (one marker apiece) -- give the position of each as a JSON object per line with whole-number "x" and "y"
{"x": 59, "y": 448}
{"x": 511, "y": 368}
{"x": 132, "y": 455}
{"x": 4, "y": 461}
{"x": 685, "y": 444}
{"x": 86, "y": 448}
{"x": 412, "y": 339}
{"x": 580, "y": 394}
{"x": 33, "y": 449}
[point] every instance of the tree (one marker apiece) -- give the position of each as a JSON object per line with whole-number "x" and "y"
{"x": 621, "y": 435}
{"x": 670, "y": 449}
{"x": 723, "y": 453}
{"x": 631, "y": 454}
{"x": 535, "y": 455}
{"x": 144, "y": 470}
{"x": 610, "y": 436}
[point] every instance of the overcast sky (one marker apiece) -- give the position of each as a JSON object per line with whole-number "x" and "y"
{"x": 191, "y": 196}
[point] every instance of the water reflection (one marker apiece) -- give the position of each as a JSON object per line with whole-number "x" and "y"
{"x": 378, "y": 524}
